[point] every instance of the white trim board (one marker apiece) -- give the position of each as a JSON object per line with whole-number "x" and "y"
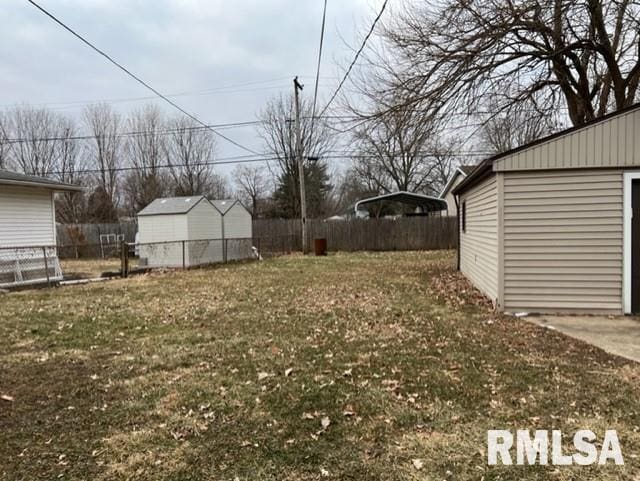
{"x": 626, "y": 260}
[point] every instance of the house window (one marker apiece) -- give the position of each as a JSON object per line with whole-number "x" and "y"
{"x": 464, "y": 216}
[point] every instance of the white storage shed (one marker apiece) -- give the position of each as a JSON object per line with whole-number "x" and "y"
{"x": 180, "y": 232}
{"x": 237, "y": 228}
{"x": 28, "y": 252}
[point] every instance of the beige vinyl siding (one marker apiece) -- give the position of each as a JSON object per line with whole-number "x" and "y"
{"x": 479, "y": 242}
{"x": 26, "y": 217}
{"x": 614, "y": 142}
{"x": 563, "y": 238}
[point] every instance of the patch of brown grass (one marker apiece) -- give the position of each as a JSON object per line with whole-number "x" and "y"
{"x": 381, "y": 366}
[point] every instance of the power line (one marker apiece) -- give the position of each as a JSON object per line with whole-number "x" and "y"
{"x": 135, "y": 77}
{"x": 355, "y": 59}
{"x": 130, "y": 134}
{"x": 315, "y": 90}
{"x": 246, "y": 159}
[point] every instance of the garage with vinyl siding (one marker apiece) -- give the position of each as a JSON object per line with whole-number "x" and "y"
{"x": 549, "y": 227}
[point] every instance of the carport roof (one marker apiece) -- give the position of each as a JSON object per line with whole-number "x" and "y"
{"x": 426, "y": 202}
{"x": 171, "y": 205}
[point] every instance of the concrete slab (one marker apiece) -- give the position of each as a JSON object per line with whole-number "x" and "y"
{"x": 616, "y": 335}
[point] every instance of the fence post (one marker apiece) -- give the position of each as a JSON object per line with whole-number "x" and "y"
{"x": 224, "y": 250}
{"x": 184, "y": 260}
{"x": 46, "y": 265}
{"x": 124, "y": 260}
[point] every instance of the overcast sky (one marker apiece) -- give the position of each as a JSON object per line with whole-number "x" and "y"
{"x": 227, "y": 56}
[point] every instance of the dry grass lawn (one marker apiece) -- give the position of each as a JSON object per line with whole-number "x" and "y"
{"x": 361, "y": 367}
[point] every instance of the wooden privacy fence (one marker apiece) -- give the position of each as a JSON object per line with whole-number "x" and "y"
{"x": 283, "y": 235}
{"x": 406, "y": 233}
{"x": 93, "y": 240}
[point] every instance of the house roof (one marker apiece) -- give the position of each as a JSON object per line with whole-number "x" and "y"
{"x": 462, "y": 170}
{"x": 172, "y": 205}
{"x": 485, "y": 167}
{"x": 428, "y": 203}
{"x": 13, "y": 178}
{"x": 223, "y": 205}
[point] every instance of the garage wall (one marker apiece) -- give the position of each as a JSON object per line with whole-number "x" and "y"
{"x": 611, "y": 142}
{"x": 563, "y": 241}
{"x": 479, "y": 243}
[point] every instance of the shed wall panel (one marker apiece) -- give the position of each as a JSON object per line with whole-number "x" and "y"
{"x": 563, "y": 241}
{"x": 205, "y": 234}
{"x": 479, "y": 241}
{"x": 238, "y": 223}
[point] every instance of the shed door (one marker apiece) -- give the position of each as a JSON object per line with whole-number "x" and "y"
{"x": 635, "y": 247}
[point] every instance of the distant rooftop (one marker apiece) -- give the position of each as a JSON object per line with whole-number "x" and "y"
{"x": 13, "y": 178}
{"x": 171, "y": 205}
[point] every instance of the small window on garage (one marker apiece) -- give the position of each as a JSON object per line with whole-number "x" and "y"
{"x": 464, "y": 216}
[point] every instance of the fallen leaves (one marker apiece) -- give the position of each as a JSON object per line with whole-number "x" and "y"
{"x": 325, "y": 422}
{"x": 6, "y": 397}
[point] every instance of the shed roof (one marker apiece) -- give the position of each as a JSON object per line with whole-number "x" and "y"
{"x": 13, "y": 178}
{"x": 223, "y": 205}
{"x": 426, "y": 202}
{"x": 172, "y": 205}
{"x": 485, "y": 167}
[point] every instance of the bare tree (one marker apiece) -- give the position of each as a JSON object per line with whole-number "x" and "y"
{"x": 34, "y": 147}
{"x": 145, "y": 151}
{"x": 456, "y": 54}
{"x": 104, "y": 153}
{"x": 190, "y": 149}
{"x": 70, "y": 206}
{"x": 253, "y": 185}
{"x": 400, "y": 152}
{"x": 5, "y": 145}
{"x": 518, "y": 125}
{"x": 278, "y": 132}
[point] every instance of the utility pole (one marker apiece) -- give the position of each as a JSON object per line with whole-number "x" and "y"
{"x": 303, "y": 193}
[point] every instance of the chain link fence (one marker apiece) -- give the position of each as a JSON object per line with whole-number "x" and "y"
{"x": 21, "y": 266}
{"x": 24, "y": 266}
{"x": 186, "y": 254}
